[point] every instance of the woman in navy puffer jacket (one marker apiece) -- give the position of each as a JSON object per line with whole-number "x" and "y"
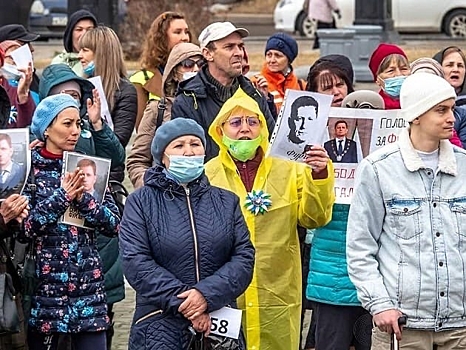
{"x": 185, "y": 245}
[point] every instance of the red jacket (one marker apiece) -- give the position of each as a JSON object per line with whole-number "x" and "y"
{"x": 22, "y": 117}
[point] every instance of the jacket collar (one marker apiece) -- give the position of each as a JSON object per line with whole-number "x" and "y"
{"x": 412, "y": 161}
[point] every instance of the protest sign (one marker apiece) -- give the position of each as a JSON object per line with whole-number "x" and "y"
{"x": 301, "y": 123}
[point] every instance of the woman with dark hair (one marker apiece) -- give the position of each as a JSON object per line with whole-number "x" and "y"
{"x": 329, "y": 78}
{"x": 167, "y": 30}
{"x": 71, "y": 296}
{"x": 453, "y": 62}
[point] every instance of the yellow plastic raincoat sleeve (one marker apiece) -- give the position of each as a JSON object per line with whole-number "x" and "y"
{"x": 316, "y": 197}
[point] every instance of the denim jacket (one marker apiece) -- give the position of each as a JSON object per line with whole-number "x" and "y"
{"x": 406, "y": 238}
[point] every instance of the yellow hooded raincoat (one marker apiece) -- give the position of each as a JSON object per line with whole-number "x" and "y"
{"x": 272, "y": 302}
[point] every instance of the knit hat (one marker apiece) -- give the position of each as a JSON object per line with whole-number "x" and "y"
{"x": 8, "y": 44}
{"x": 170, "y": 131}
{"x": 67, "y": 85}
{"x": 2, "y": 58}
{"x": 284, "y": 43}
{"x": 427, "y": 65}
{"x": 47, "y": 110}
{"x": 379, "y": 54}
{"x": 422, "y": 91}
{"x": 366, "y": 99}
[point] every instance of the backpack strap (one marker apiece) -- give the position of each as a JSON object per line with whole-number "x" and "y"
{"x": 161, "y": 107}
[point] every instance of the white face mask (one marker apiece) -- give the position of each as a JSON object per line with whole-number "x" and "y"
{"x": 188, "y": 75}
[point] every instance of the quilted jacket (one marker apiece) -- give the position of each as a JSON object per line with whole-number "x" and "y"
{"x": 71, "y": 295}
{"x": 168, "y": 235}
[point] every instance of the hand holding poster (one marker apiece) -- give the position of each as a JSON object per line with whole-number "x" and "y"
{"x": 301, "y": 123}
{"x": 96, "y": 173}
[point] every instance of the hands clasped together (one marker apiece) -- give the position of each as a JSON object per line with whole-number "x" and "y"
{"x": 73, "y": 184}
{"x": 194, "y": 308}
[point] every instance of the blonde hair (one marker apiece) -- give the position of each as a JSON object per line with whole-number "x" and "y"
{"x": 108, "y": 59}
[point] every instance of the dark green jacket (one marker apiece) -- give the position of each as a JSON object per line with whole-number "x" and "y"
{"x": 102, "y": 143}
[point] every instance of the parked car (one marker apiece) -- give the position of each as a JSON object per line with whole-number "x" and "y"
{"x": 48, "y": 18}
{"x": 415, "y": 16}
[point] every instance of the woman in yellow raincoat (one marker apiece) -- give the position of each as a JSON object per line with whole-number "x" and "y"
{"x": 276, "y": 195}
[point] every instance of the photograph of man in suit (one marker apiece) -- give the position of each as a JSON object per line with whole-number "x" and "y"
{"x": 89, "y": 169}
{"x": 303, "y": 111}
{"x": 341, "y": 149}
{"x": 12, "y": 174}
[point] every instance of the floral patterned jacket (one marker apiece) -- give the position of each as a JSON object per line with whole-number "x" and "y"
{"x": 71, "y": 295}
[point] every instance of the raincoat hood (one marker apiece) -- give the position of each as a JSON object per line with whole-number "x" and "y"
{"x": 179, "y": 53}
{"x": 239, "y": 99}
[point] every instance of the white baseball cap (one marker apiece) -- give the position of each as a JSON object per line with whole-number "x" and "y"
{"x": 219, "y": 30}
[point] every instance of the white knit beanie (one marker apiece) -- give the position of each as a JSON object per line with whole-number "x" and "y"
{"x": 422, "y": 91}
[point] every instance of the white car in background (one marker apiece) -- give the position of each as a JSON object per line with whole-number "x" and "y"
{"x": 415, "y": 16}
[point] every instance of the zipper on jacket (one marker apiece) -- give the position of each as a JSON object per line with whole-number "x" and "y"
{"x": 147, "y": 316}
{"x": 193, "y": 228}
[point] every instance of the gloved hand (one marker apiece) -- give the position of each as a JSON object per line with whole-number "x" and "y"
{"x": 338, "y": 14}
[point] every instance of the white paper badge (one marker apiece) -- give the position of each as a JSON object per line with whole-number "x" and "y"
{"x": 226, "y": 322}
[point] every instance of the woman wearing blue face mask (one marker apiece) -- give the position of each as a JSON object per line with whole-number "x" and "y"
{"x": 389, "y": 66}
{"x": 184, "y": 244}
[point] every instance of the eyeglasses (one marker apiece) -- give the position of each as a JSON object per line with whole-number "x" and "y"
{"x": 189, "y": 63}
{"x": 236, "y": 122}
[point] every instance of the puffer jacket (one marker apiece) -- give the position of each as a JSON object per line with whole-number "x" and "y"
{"x": 140, "y": 158}
{"x": 123, "y": 115}
{"x": 195, "y": 99}
{"x": 328, "y": 281}
{"x": 168, "y": 235}
{"x": 321, "y": 10}
{"x": 102, "y": 143}
{"x": 70, "y": 297}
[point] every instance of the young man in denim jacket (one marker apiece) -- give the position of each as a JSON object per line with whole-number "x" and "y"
{"x": 406, "y": 238}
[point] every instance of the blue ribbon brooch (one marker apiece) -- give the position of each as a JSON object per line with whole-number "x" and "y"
{"x": 257, "y": 202}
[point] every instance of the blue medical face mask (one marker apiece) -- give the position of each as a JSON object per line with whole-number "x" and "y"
{"x": 393, "y": 86}
{"x": 185, "y": 169}
{"x": 89, "y": 69}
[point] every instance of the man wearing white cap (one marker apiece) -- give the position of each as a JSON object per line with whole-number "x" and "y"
{"x": 201, "y": 97}
{"x": 406, "y": 237}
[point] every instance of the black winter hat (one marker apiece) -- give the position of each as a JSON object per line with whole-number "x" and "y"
{"x": 16, "y": 32}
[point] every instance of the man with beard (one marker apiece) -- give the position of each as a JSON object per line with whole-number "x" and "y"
{"x": 201, "y": 97}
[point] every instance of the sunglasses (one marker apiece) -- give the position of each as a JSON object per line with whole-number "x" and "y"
{"x": 189, "y": 63}
{"x": 236, "y": 122}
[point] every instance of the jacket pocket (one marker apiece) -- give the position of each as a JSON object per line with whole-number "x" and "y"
{"x": 149, "y": 315}
{"x": 459, "y": 210}
{"x": 405, "y": 218}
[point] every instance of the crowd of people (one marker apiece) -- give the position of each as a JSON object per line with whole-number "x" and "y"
{"x": 214, "y": 222}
